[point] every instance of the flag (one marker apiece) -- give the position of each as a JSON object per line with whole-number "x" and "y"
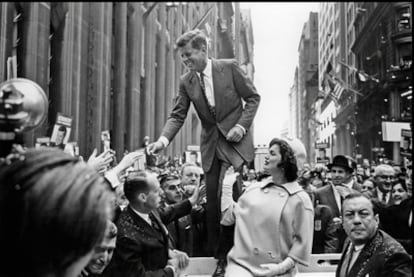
{"x": 335, "y": 86}
{"x": 361, "y": 75}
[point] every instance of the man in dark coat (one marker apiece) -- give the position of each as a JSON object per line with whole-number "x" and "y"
{"x": 369, "y": 251}
{"x": 143, "y": 246}
{"x": 332, "y": 194}
{"x": 226, "y": 102}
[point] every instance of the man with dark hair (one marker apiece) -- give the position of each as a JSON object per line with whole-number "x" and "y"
{"x": 217, "y": 89}
{"x": 143, "y": 246}
{"x": 332, "y": 194}
{"x": 60, "y": 137}
{"x": 369, "y": 251}
{"x": 102, "y": 253}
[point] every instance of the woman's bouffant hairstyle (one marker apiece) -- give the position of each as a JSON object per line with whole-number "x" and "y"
{"x": 288, "y": 162}
{"x": 53, "y": 211}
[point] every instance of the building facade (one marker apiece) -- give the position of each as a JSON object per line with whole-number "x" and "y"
{"x": 114, "y": 66}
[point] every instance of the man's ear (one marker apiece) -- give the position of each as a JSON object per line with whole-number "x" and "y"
{"x": 142, "y": 197}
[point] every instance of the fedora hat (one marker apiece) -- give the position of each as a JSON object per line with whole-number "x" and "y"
{"x": 341, "y": 161}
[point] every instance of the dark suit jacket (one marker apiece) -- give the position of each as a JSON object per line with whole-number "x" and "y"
{"x": 381, "y": 257}
{"x": 325, "y": 196}
{"x": 231, "y": 86}
{"x": 394, "y": 221}
{"x": 324, "y": 233}
{"x": 140, "y": 249}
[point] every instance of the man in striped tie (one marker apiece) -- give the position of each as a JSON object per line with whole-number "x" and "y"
{"x": 369, "y": 251}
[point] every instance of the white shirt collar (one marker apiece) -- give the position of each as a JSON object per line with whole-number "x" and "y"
{"x": 358, "y": 248}
{"x": 349, "y": 184}
{"x": 143, "y": 216}
{"x": 208, "y": 70}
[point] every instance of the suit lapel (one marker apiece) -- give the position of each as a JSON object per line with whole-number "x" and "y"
{"x": 332, "y": 200}
{"x": 144, "y": 227}
{"x": 359, "y": 268}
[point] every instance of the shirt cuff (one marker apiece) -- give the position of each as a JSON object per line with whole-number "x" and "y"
{"x": 164, "y": 141}
{"x": 112, "y": 178}
{"x": 243, "y": 129}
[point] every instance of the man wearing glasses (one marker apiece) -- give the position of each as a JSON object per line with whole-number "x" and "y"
{"x": 384, "y": 176}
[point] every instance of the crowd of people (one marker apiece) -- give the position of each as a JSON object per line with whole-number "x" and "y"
{"x": 97, "y": 218}
{"x": 65, "y": 216}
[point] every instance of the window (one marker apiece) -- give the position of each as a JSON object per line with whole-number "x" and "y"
{"x": 403, "y": 19}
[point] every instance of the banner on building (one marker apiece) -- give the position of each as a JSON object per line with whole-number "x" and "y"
{"x": 406, "y": 143}
{"x": 391, "y": 130}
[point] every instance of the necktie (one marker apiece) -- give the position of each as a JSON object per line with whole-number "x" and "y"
{"x": 384, "y": 198}
{"x": 154, "y": 222}
{"x": 203, "y": 88}
{"x": 345, "y": 266}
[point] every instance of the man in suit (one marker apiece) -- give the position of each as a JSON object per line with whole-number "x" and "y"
{"x": 143, "y": 246}
{"x": 369, "y": 250}
{"x": 332, "y": 194}
{"x": 217, "y": 89}
{"x": 384, "y": 176}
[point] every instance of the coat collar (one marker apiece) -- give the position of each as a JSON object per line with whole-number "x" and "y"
{"x": 365, "y": 256}
{"x": 290, "y": 187}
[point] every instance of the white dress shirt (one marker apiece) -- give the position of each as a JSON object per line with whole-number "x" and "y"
{"x": 143, "y": 216}
{"x": 208, "y": 83}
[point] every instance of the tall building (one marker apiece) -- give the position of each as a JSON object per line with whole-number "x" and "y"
{"x": 336, "y": 108}
{"x": 307, "y": 81}
{"x": 113, "y": 65}
{"x": 383, "y": 50}
{"x": 294, "y": 108}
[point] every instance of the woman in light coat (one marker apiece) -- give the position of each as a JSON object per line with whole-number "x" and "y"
{"x": 274, "y": 219}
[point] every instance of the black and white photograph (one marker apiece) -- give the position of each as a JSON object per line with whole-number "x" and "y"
{"x": 206, "y": 139}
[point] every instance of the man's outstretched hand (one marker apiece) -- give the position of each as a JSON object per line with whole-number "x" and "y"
{"x": 155, "y": 147}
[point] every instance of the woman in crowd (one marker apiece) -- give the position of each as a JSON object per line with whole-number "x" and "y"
{"x": 396, "y": 219}
{"x": 53, "y": 212}
{"x": 399, "y": 192}
{"x": 274, "y": 219}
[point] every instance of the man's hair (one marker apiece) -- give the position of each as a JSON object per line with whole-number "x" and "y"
{"x": 185, "y": 165}
{"x": 381, "y": 168}
{"x": 168, "y": 177}
{"x": 288, "y": 162}
{"x": 357, "y": 194}
{"x": 111, "y": 230}
{"x": 62, "y": 128}
{"x": 136, "y": 182}
{"x": 55, "y": 209}
{"x": 196, "y": 37}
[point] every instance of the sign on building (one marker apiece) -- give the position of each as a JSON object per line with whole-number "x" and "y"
{"x": 406, "y": 143}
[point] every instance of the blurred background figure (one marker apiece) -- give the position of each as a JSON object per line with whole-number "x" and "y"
{"x": 102, "y": 253}
{"x": 55, "y": 208}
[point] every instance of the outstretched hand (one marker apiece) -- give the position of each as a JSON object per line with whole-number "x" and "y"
{"x": 100, "y": 162}
{"x": 155, "y": 147}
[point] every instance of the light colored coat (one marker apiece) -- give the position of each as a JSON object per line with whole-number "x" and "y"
{"x": 272, "y": 223}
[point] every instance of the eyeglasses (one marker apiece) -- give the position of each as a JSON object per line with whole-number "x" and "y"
{"x": 174, "y": 187}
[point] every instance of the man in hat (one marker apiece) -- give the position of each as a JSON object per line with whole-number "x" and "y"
{"x": 332, "y": 195}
